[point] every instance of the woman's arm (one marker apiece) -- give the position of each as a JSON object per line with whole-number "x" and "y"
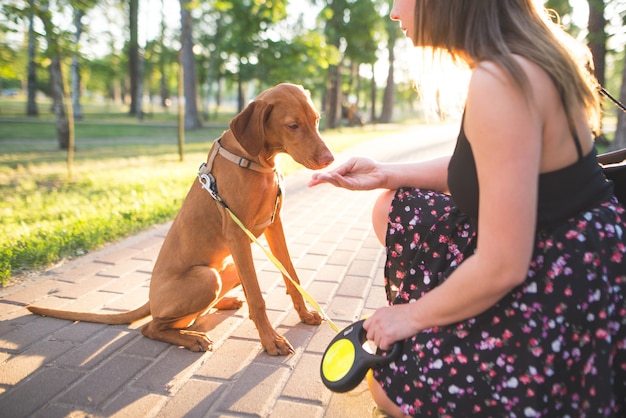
{"x": 505, "y": 133}
{"x": 360, "y": 173}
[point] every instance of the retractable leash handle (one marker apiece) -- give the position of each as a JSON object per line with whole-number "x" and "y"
{"x": 345, "y": 361}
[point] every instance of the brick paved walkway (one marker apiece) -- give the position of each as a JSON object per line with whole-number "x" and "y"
{"x": 56, "y": 368}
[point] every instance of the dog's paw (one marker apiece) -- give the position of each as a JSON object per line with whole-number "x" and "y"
{"x": 229, "y": 303}
{"x": 279, "y": 347}
{"x": 311, "y": 317}
{"x": 198, "y": 341}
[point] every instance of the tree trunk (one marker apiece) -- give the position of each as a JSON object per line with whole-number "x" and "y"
{"x": 390, "y": 91}
{"x": 31, "y": 86}
{"x": 620, "y": 131}
{"x": 373, "y": 89}
{"x": 597, "y": 37}
{"x": 58, "y": 103}
{"x": 165, "y": 94}
{"x": 65, "y": 128}
{"x": 241, "y": 100}
{"x": 133, "y": 54}
{"x": 75, "y": 67}
{"x": 192, "y": 116}
{"x": 181, "y": 108}
{"x": 333, "y": 112}
{"x": 139, "y": 94}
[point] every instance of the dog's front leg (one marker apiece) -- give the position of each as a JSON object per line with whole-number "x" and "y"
{"x": 272, "y": 342}
{"x": 276, "y": 240}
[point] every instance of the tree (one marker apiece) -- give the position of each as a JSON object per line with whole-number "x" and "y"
{"x": 620, "y": 132}
{"x": 188, "y": 67}
{"x": 62, "y": 108}
{"x": 243, "y": 35}
{"x": 597, "y": 37}
{"x": 133, "y": 56}
{"x": 356, "y": 47}
{"x": 75, "y": 66}
{"x": 31, "y": 83}
{"x": 333, "y": 15}
{"x": 393, "y": 34}
{"x": 300, "y": 60}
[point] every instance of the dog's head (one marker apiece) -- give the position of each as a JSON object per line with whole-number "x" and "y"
{"x": 283, "y": 119}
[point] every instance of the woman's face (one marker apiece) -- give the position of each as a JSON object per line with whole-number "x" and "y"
{"x": 404, "y": 12}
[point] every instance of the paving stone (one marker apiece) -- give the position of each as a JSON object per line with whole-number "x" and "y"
{"x": 341, "y": 258}
{"x": 34, "y": 393}
{"x": 98, "y": 386}
{"x": 304, "y": 383}
{"x": 55, "y": 410}
{"x": 354, "y": 286}
{"x": 167, "y": 374}
{"x": 349, "y": 244}
{"x": 35, "y": 291}
{"x": 117, "y": 255}
{"x": 323, "y": 336}
{"x": 79, "y": 289}
{"x": 311, "y": 262}
{"x": 130, "y": 281}
{"x": 129, "y": 300}
{"x": 22, "y": 336}
{"x": 13, "y": 320}
{"x": 229, "y": 359}
{"x": 19, "y": 367}
{"x": 90, "y": 354}
{"x": 362, "y": 267}
{"x": 354, "y": 404}
{"x": 133, "y": 404}
{"x": 345, "y": 308}
{"x": 256, "y": 390}
{"x": 76, "y": 273}
{"x": 195, "y": 399}
{"x": 78, "y": 332}
{"x": 124, "y": 268}
{"x": 331, "y": 273}
{"x": 145, "y": 347}
{"x": 294, "y": 408}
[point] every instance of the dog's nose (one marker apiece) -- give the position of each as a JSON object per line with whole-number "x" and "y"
{"x": 326, "y": 158}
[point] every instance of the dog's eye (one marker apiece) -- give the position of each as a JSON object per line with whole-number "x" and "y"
{"x": 293, "y": 126}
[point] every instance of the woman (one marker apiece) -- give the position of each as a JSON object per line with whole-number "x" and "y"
{"x": 509, "y": 292}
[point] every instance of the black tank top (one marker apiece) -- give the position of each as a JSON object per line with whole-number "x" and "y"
{"x": 562, "y": 193}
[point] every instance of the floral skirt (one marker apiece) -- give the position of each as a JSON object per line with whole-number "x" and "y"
{"x": 553, "y": 347}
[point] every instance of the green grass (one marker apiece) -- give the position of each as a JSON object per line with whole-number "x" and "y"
{"x": 127, "y": 177}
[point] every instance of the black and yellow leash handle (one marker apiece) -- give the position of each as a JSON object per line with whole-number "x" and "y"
{"x": 345, "y": 361}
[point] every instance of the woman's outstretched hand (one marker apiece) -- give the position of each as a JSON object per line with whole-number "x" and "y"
{"x": 358, "y": 173}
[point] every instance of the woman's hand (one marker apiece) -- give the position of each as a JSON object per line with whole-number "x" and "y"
{"x": 390, "y": 324}
{"x": 358, "y": 173}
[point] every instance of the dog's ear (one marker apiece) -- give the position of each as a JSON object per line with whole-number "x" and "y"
{"x": 249, "y": 126}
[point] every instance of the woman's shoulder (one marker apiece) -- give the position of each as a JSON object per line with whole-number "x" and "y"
{"x": 493, "y": 71}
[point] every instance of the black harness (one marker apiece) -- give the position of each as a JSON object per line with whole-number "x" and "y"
{"x": 208, "y": 182}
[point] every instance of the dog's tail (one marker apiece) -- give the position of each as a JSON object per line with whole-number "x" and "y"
{"x": 101, "y": 318}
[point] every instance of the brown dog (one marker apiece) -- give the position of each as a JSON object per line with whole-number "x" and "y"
{"x": 194, "y": 269}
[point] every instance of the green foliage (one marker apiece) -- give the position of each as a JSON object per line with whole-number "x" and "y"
{"x": 299, "y": 61}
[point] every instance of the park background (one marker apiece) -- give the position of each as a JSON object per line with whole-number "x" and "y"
{"x": 107, "y": 107}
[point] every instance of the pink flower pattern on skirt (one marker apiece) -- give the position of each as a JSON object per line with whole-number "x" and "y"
{"x": 554, "y": 347}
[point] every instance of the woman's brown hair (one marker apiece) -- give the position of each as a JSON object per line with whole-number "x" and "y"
{"x": 495, "y": 30}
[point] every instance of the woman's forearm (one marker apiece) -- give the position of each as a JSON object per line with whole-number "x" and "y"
{"x": 430, "y": 174}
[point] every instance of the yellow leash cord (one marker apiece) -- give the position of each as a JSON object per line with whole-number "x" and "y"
{"x": 207, "y": 181}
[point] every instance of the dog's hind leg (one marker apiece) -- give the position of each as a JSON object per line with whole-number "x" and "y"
{"x": 230, "y": 280}
{"x": 176, "y": 303}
